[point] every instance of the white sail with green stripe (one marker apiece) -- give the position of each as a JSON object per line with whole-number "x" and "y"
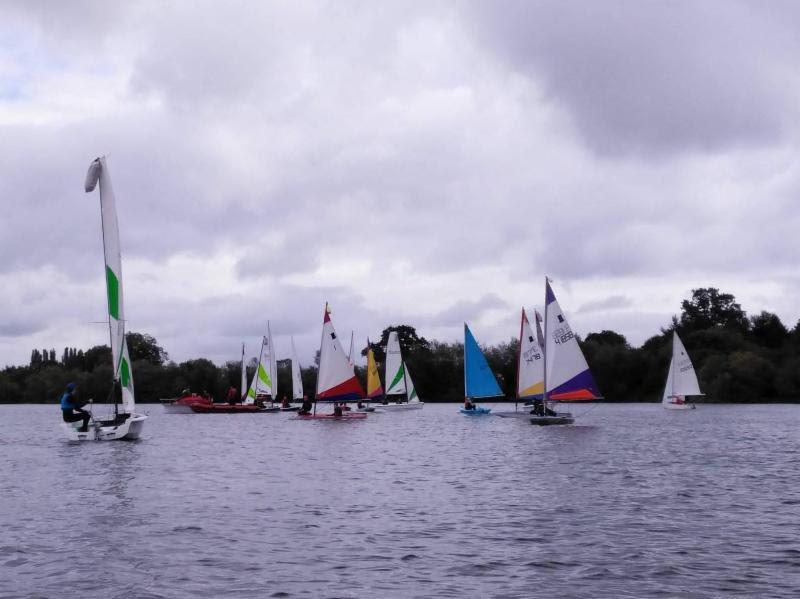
{"x": 98, "y": 172}
{"x": 395, "y": 368}
{"x": 265, "y": 380}
{"x": 412, "y": 392}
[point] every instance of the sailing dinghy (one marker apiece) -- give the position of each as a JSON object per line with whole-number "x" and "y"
{"x": 681, "y": 380}
{"x": 399, "y": 385}
{"x": 297, "y": 381}
{"x": 530, "y": 368}
{"x": 125, "y": 423}
{"x": 231, "y": 408}
{"x": 264, "y": 386}
{"x": 479, "y": 381}
{"x": 336, "y": 379}
{"x": 566, "y": 374}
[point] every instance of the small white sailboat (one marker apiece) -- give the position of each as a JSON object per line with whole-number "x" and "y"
{"x": 125, "y": 423}
{"x": 681, "y": 380}
{"x": 297, "y": 381}
{"x": 400, "y": 393}
{"x": 264, "y": 386}
{"x": 566, "y": 374}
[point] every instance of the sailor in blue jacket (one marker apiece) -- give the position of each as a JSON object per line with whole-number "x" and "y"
{"x": 71, "y": 408}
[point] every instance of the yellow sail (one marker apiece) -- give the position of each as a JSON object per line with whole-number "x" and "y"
{"x": 374, "y": 387}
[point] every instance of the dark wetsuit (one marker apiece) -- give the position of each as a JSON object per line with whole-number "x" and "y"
{"x": 71, "y": 410}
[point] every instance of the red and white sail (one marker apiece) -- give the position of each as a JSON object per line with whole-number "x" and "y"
{"x": 336, "y": 380}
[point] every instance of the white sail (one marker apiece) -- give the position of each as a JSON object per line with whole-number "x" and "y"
{"x": 350, "y": 357}
{"x": 681, "y": 379}
{"x": 243, "y": 385}
{"x": 412, "y": 392}
{"x": 98, "y": 172}
{"x": 265, "y": 380}
{"x": 530, "y": 365}
{"x": 336, "y": 380}
{"x": 297, "y": 379}
{"x": 395, "y": 367}
{"x": 567, "y": 374}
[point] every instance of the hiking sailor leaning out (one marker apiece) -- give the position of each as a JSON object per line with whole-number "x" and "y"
{"x": 71, "y": 407}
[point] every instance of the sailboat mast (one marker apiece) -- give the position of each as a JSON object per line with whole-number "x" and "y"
{"x": 544, "y": 349}
{"x": 403, "y": 364}
{"x": 672, "y": 366}
{"x": 321, "y": 339}
{"x": 466, "y": 392}
{"x": 519, "y": 359}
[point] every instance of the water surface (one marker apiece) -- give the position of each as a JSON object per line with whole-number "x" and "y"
{"x": 633, "y": 501}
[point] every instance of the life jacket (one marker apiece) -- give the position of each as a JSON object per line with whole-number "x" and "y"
{"x": 66, "y": 402}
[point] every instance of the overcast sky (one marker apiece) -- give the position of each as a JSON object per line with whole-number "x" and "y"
{"x": 421, "y": 163}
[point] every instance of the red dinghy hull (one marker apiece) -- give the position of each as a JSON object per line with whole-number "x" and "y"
{"x": 221, "y": 408}
{"x": 345, "y": 416}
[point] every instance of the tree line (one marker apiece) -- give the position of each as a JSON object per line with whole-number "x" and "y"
{"x": 737, "y": 359}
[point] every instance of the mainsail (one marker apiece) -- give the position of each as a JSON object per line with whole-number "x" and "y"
{"x": 243, "y": 385}
{"x": 530, "y": 363}
{"x": 412, "y": 392}
{"x": 479, "y": 381}
{"x": 98, "y": 172}
{"x": 568, "y": 377}
{"x": 682, "y": 379}
{"x": 265, "y": 380}
{"x": 297, "y": 379}
{"x": 374, "y": 387}
{"x": 395, "y": 367}
{"x": 336, "y": 380}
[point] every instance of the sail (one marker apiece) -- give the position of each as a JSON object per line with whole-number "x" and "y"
{"x": 412, "y": 392}
{"x": 265, "y": 380}
{"x": 374, "y": 387}
{"x": 98, "y": 172}
{"x": 395, "y": 371}
{"x": 243, "y": 385}
{"x": 350, "y": 357}
{"x": 336, "y": 380}
{"x": 530, "y": 363}
{"x": 297, "y": 379}
{"x": 568, "y": 374}
{"x": 479, "y": 381}
{"x": 682, "y": 379}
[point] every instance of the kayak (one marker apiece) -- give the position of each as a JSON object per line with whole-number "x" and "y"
{"x": 477, "y": 411}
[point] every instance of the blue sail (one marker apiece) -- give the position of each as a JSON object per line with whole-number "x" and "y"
{"x": 479, "y": 381}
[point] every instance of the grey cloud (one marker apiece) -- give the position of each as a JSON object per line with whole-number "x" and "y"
{"x": 614, "y": 302}
{"x": 466, "y": 310}
{"x": 655, "y": 77}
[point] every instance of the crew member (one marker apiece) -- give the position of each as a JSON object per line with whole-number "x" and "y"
{"x": 71, "y": 408}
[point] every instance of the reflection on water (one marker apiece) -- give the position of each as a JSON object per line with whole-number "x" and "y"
{"x": 635, "y": 501}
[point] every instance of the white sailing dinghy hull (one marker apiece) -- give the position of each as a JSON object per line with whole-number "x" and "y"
{"x": 129, "y": 430}
{"x": 679, "y": 406}
{"x": 398, "y": 407}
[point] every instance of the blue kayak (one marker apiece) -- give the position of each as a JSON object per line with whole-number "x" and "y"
{"x": 477, "y": 411}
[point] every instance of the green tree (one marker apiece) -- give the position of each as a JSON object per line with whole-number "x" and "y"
{"x": 709, "y": 308}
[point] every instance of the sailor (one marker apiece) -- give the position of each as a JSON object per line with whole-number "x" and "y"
{"x": 231, "y": 397}
{"x": 284, "y": 402}
{"x": 71, "y": 408}
{"x": 306, "y": 407}
{"x": 468, "y": 405}
{"x": 337, "y": 409}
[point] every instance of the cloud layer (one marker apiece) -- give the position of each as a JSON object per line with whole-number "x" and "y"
{"x": 425, "y": 164}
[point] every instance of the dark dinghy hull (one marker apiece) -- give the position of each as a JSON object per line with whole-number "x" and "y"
{"x": 563, "y": 418}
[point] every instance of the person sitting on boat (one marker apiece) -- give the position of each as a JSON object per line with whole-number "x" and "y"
{"x": 71, "y": 408}
{"x": 284, "y": 402}
{"x": 306, "y": 407}
{"x": 186, "y": 392}
{"x": 468, "y": 405}
{"x": 232, "y": 397}
{"x": 538, "y": 407}
{"x": 337, "y": 409}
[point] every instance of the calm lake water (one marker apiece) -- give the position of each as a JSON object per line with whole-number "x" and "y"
{"x": 634, "y": 501}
